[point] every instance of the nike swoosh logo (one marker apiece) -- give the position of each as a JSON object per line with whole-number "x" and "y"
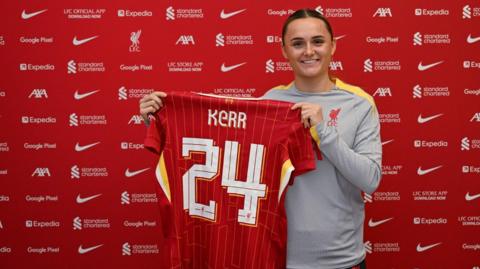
{"x": 134, "y": 173}
{"x": 82, "y": 250}
{"x": 27, "y": 16}
{"x": 340, "y": 37}
{"x": 81, "y": 200}
{"x": 422, "y": 67}
{"x": 230, "y": 68}
{"x": 423, "y": 120}
{"x": 422, "y": 249}
{"x": 79, "y": 148}
{"x": 224, "y": 15}
{"x": 422, "y": 172}
{"x": 471, "y": 40}
{"x": 78, "y": 42}
{"x": 387, "y": 142}
{"x": 372, "y": 223}
{"x": 469, "y": 197}
{"x": 79, "y": 96}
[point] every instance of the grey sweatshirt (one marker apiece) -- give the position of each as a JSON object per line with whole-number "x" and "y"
{"x": 325, "y": 209}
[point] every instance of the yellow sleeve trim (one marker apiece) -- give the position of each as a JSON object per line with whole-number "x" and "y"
{"x": 314, "y": 134}
{"x": 283, "y": 87}
{"x": 287, "y": 169}
{"x": 162, "y": 177}
{"x": 355, "y": 90}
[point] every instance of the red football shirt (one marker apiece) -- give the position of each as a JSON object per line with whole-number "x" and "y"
{"x": 223, "y": 169}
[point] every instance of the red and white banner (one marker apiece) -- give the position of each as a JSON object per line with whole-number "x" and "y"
{"x": 77, "y": 186}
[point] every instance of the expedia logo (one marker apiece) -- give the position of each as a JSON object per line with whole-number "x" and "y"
{"x": 38, "y": 120}
{"x": 470, "y": 169}
{"x": 429, "y": 221}
{"x": 36, "y": 67}
{"x": 431, "y": 12}
{"x": 430, "y": 144}
{"x": 42, "y": 224}
{"x": 134, "y": 13}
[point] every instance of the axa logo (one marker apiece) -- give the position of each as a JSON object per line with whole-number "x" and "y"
{"x": 333, "y": 117}
{"x": 383, "y": 92}
{"x": 383, "y": 12}
{"x": 38, "y": 94}
{"x": 476, "y": 117}
{"x": 41, "y": 172}
{"x": 336, "y": 65}
{"x": 185, "y": 40}
{"x": 135, "y": 119}
{"x": 135, "y": 39}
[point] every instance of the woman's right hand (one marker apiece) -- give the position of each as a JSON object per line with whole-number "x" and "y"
{"x": 151, "y": 103}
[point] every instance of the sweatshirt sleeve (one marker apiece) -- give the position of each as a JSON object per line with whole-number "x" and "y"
{"x": 361, "y": 164}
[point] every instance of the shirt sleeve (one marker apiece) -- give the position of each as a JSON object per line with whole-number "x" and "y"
{"x": 156, "y": 133}
{"x": 301, "y": 149}
{"x": 361, "y": 164}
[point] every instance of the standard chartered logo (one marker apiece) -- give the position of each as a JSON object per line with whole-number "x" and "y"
{"x": 368, "y": 65}
{"x": 467, "y": 12}
{"x": 71, "y": 67}
{"x": 77, "y": 223}
{"x": 122, "y": 93}
{"x": 220, "y": 40}
{"x": 368, "y": 247}
{"x": 417, "y": 91}
{"x": 73, "y": 119}
{"x": 319, "y": 9}
{"x": 269, "y": 66}
{"x": 417, "y": 39}
{"x": 75, "y": 172}
{"x": 170, "y": 16}
{"x": 126, "y": 249}
{"x": 367, "y": 198}
{"x": 125, "y": 198}
{"x": 465, "y": 144}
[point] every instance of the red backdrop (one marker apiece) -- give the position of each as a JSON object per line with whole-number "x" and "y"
{"x": 76, "y": 185}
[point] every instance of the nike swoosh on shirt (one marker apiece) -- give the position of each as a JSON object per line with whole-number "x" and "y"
{"x": 469, "y": 197}
{"x": 387, "y": 142}
{"x": 422, "y": 172}
{"x": 82, "y": 250}
{"x": 423, "y": 120}
{"x": 81, "y": 200}
{"x": 129, "y": 173}
{"x": 79, "y": 96}
{"x": 78, "y": 42}
{"x": 422, "y": 249}
{"x": 27, "y": 16}
{"x": 224, "y": 15}
{"x": 471, "y": 40}
{"x": 422, "y": 67}
{"x": 230, "y": 68}
{"x": 340, "y": 37}
{"x": 79, "y": 148}
{"x": 372, "y": 223}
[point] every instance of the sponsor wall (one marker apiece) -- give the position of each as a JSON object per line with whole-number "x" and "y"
{"x": 77, "y": 186}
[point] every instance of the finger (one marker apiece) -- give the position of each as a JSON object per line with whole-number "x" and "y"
{"x": 160, "y": 94}
{"x": 298, "y": 105}
{"x": 157, "y": 100}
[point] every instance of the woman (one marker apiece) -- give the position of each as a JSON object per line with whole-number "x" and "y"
{"x": 325, "y": 209}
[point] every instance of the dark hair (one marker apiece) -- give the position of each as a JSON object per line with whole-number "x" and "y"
{"x": 305, "y": 13}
